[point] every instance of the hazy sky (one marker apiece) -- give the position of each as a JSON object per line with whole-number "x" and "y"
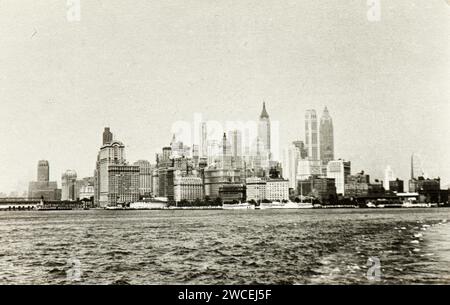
{"x": 139, "y": 66}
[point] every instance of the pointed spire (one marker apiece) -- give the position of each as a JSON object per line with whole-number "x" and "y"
{"x": 264, "y": 113}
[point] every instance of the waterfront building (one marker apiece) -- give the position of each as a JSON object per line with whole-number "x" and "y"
{"x": 255, "y": 189}
{"x": 214, "y": 178}
{"x": 376, "y": 189}
{"x": 326, "y": 138}
{"x": 188, "y": 188}
{"x": 396, "y": 186}
{"x": 145, "y": 177}
{"x": 70, "y": 186}
{"x": 264, "y": 131}
{"x": 428, "y": 189}
{"x": 311, "y": 135}
{"x": 339, "y": 170}
{"x": 277, "y": 189}
{"x": 321, "y": 188}
{"x": 307, "y": 168}
{"x": 355, "y": 189}
{"x": 86, "y": 192}
{"x": 111, "y": 153}
{"x": 43, "y": 188}
{"x": 357, "y": 185}
{"x": 123, "y": 184}
{"x": 232, "y": 192}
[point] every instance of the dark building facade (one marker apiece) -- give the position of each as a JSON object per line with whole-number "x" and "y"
{"x": 232, "y": 192}
{"x": 396, "y": 186}
{"x": 324, "y": 189}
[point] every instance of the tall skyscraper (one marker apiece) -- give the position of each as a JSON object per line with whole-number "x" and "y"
{"x": 235, "y": 138}
{"x": 326, "y": 137}
{"x": 311, "y": 134}
{"x": 145, "y": 177}
{"x": 204, "y": 141}
{"x": 388, "y": 176}
{"x": 416, "y": 166}
{"x": 291, "y": 157}
{"x": 226, "y": 155}
{"x": 107, "y": 136}
{"x": 111, "y": 153}
{"x": 264, "y": 130}
{"x": 43, "y": 174}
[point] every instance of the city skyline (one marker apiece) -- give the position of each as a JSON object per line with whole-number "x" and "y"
{"x": 107, "y": 139}
{"x": 69, "y": 80}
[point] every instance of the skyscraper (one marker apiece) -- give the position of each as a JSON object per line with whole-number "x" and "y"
{"x": 326, "y": 137}
{"x": 311, "y": 135}
{"x": 107, "y": 136}
{"x": 388, "y": 176}
{"x": 111, "y": 153}
{"x": 145, "y": 177}
{"x": 264, "y": 130}
{"x": 235, "y": 138}
{"x": 339, "y": 170}
{"x": 43, "y": 174}
{"x": 226, "y": 153}
{"x": 43, "y": 188}
{"x": 291, "y": 157}
{"x": 416, "y": 166}
{"x": 204, "y": 141}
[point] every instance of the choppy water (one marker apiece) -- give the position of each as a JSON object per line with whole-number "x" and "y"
{"x": 225, "y": 247}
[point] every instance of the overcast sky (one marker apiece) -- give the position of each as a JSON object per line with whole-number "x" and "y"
{"x": 139, "y": 66}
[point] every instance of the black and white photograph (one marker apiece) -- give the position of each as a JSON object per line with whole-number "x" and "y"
{"x": 213, "y": 143}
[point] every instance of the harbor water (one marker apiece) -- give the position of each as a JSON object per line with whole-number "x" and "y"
{"x": 315, "y": 246}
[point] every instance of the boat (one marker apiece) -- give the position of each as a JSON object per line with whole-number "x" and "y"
{"x": 148, "y": 205}
{"x": 409, "y": 204}
{"x": 238, "y": 206}
{"x": 286, "y": 205}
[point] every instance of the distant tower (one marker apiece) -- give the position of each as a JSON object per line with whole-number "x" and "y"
{"x": 235, "y": 138}
{"x": 311, "y": 136}
{"x": 226, "y": 153}
{"x": 264, "y": 130}
{"x": 388, "y": 176}
{"x": 43, "y": 174}
{"x": 416, "y": 167}
{"x": 326, "y": 137}
{"x": 107, "y": 136}
{"x": 204, "y": 141}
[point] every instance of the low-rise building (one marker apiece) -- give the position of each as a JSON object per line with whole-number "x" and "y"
{"x": 255, "y": 189}
{"x": 232, "y": 192}
{"x": 277, "y": 189}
